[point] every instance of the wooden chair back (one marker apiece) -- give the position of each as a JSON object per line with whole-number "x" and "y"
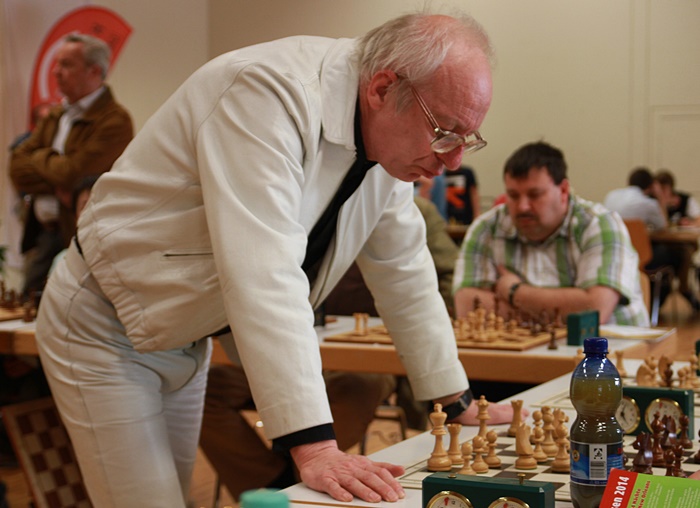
{"x": 640, "y": 240}
{"x": 46, "y": 454}
{"x": 645, "y": 283}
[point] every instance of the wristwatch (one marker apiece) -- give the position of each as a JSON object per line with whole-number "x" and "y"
{"x": 459, "y": 406}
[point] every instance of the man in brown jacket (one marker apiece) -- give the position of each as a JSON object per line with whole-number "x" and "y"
{"x": 84, "y": 135}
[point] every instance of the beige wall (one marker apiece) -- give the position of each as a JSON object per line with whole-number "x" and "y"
{"x": 614, "y": 84}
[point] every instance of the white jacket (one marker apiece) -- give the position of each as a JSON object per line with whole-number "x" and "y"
{"x": 204, "y": 221}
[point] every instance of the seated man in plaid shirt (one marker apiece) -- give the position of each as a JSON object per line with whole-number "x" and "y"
{"x": 547, "y": 250}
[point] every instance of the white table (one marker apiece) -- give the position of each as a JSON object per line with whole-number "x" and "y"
{"x": 419, "y": 447}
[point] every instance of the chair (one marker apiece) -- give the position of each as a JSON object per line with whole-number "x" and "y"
{"x": 391, "y": 412}
{"x": 46, "y": 454}
{"x": 639, "y": 235}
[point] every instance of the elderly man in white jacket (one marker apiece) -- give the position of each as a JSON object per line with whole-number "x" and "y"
{"x": 208, "y": 220}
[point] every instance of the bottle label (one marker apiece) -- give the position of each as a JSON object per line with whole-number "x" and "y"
{"x": 591, "y": 462}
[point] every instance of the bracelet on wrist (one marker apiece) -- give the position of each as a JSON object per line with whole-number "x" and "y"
{"x": 511, "y": 293}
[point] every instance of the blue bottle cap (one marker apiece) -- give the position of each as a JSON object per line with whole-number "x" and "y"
{"x": 595, "y": 345}
{"x": 264, "y": 498}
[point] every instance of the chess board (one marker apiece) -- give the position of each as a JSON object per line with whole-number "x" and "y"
{"x": 505, "y": 449}
{"x": 519, "y": 339}
{"x": 46, "y": 454}
{"x": 9, "y": 314}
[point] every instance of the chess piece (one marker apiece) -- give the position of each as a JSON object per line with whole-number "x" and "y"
{"x": 619, "y": 355}
{"x": 491, "y": 458}
{"x": 438, "y": 461}
{"x": 453, "y": 452}
{"x": 693, "y": 379}
{"x": 677, "y": 465}
{"x": 670, "y": 462}
{"x": 683, "y": 438}
{"x": 538, "y": 436}
{"x": 361, "y": 320}
{"x": 548, "y": 445}
{"x": 537, "y": 422}
{"x": 643, "y": 459}
{"x": 483, "y": 415}
{"x": 523, "y": 448}
{"x": 646, "y": 373}
{"x": 560, "y": 419}
{"x": 696, "y": 457}
{"x": 466, "y": 458}
{"x": 552, "y": 339}
{"x": 665, "y": 371}
{"x": 479, "y": 465}
{"x": 562, "y": 461}
{"x": 657, "y": 428}
{"x": 669, "y": 436}
{"x": 517, "y": 416}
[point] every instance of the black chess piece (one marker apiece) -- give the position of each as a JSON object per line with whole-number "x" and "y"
{"x": 678, "y": 463}
{"x": 683, "y": 438}
{"x": 658, "y": 427}
{"x": 669, "y": 438}
{"x": 696, "y": 457}
{"x": 643, "y": 459}
{"x": 670, "y": 462}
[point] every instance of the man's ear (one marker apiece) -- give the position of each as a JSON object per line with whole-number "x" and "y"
{"x": 565, "y": 189}
{"x": 378, "y": 88}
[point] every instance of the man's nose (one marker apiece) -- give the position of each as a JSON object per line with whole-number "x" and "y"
{"x": 522, "y": 203}
{"x": 452, "y": 159}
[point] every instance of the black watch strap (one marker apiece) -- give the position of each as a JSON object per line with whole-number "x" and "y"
{"x": 459, "y": 406}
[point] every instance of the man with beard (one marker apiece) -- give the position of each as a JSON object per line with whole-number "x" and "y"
{"x": 546, "y": 249}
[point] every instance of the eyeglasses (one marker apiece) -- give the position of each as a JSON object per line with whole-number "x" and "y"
{"x": 446, "y": 141}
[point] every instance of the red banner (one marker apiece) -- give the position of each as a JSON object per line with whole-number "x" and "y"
{"x": 96, "y": 21}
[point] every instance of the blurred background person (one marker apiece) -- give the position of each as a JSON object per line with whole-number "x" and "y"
{"x": 84, "y": 134}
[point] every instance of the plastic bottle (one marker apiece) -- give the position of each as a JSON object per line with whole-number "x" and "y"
{"x": 596, "y": 435}
{"x": 264, "y": 498}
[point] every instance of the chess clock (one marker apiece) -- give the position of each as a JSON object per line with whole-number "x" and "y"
{"x": 639, "y": 403}
{"x": 450, "y": 490}
{"x": 580, "y": 326}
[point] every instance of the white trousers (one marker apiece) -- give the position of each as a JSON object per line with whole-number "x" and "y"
{"x": 133, "y": 418}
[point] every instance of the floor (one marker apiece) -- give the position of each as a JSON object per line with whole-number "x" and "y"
{"x": 382, "y": 433}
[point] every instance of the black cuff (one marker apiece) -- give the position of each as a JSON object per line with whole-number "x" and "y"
{"x": 459, "y": 406}
{"x": 323, "y": 432}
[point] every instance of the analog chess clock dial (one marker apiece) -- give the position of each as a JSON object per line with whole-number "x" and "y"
{"x": 449, "y": 499}
{"x": 628, "y": 414}
{"x": 508, "y": 502}
{"x": 665, "y": 407}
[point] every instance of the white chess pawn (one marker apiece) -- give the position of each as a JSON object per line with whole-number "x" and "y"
{"x": 467, "y": 457}
{"x": 538, "y": 437}
{"x": 491, "y": 458}
{"x": 479, "y": 465}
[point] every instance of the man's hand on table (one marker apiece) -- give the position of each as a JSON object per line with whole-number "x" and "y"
{"x": 325, "y": 468}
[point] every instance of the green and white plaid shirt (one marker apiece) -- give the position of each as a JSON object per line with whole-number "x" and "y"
{"x": 591, "y": 248}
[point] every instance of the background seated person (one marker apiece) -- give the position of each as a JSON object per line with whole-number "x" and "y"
{"x": 681, "y": 208}
{"x": 641, "y": 199}
{"x": 644, "y": 200}
{"x": 684, "y": 210}
{"x": 546, "y": 249}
